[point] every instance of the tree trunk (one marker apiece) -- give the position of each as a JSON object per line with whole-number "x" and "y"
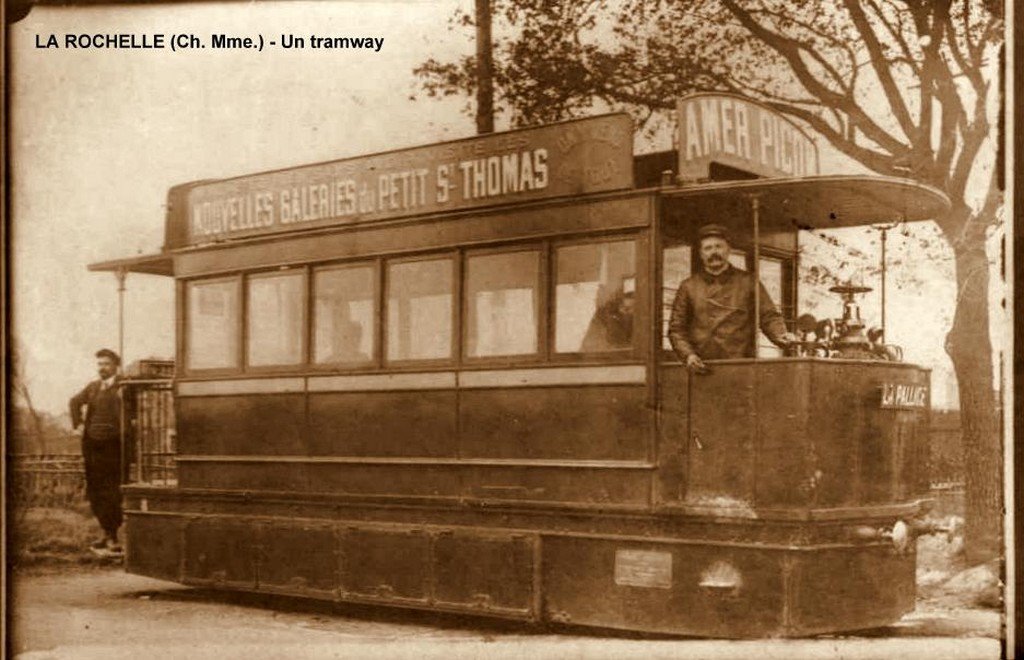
{"x": 970, "y": 348}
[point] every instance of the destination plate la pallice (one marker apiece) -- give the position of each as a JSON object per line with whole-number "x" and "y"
{"x": 905, "y": 396}
{"x": 571, "y": 158}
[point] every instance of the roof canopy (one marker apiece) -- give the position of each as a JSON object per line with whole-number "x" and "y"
{"x": 149, "y": 264}
{"x": 820, "y": 202}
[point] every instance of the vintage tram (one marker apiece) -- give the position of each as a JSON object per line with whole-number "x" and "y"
{"x": 438, "y": 378}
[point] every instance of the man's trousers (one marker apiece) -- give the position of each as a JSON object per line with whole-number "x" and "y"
{"x": 103, "y": 481}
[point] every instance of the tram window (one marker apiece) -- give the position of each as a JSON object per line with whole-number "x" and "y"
{"x": 676, "y": 266}
{"x": 344, "y": 315}
{"x": 595, "y": 293}
{"x": 419, "y": 321}
{"x": 502, "y": 304}
{"x": 212, "y": 332}
{"x": 275, "y": 315}
{"x": 771, "y": 277}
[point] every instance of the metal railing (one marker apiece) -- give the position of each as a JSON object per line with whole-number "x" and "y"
{"x": 153, "y": 443}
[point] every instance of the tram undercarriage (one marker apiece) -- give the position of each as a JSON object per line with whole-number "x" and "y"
{"x": 720, "y": 578}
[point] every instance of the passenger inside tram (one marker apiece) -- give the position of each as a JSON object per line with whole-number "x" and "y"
{"x": 346, "y": 339}
{"x": 594, "y": 296}
{"x": 612, "y": 325}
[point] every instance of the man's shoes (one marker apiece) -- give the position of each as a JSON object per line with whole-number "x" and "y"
{"x": 98, "y": 543}
{"x": 108, "y": 549}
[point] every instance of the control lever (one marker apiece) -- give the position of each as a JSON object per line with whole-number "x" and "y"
{"x": 806, "y": 348}
{"x": 806, "y": 326}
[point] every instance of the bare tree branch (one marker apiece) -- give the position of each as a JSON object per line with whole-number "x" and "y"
{"x": 948, "y": 122}
{"x": 844, "y": 85}
{"x": 845, "y": 103}
{"x": 974, "y": 137}
{"x": 882, "y": 71}
{"x": 972, "y": 73}
{"x": 897, "y": 32}
{"x": 742, "y": 87}
{"x": 880, "y": 162}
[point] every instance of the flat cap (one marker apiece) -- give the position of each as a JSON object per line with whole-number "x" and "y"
{"x": 714, "y": 230}
{"x": 107, "y": 353}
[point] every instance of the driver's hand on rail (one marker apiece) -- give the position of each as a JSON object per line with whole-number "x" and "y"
{"x": 788, "y": 339}
{"x": 696, "y": 365}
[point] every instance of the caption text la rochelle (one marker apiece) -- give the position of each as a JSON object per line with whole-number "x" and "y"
{"x": 188, "y": 41}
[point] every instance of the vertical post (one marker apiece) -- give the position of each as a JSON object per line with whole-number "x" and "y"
{"x": 884, "y": 229}
{"x": 144, "y": 419}
{"x": 122, "y": 273}
{"x": 885, "y": 235}
{"x": 484, "y": 69}
{"x": 755, "y": 213}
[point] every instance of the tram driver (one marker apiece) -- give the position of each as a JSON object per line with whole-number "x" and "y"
{"x": 712, "y": 310}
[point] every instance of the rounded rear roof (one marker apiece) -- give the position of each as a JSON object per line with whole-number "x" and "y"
{"x": 819, "y": 202}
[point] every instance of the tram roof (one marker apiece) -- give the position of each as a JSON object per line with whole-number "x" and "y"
{"x": 148, "y": 264}
{"x": 816, "y": 202}
{"x": 786, "y": 204}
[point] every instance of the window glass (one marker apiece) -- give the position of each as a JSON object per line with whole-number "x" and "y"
{"x": 503, "y": 302}
{"x": 676, "y": 266}
{"x": 276, "y": 305}
{"x": 771, "y": 277}
{"x": 344, "y": 310}
{"x": 420, "y": 310}
{"x": 738, "y": 258}
{"x": 594, "y": 297}
{"x": 212, "y": 334}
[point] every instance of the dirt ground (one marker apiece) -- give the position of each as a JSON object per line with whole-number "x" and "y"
{"x": 96, "y": 612}
{"x": 66, "y": 604}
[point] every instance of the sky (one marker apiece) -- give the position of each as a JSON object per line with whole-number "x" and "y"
{"x": 98, "y": 137}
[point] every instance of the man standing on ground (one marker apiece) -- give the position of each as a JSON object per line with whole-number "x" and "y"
{"x": 712, "y": 315}
{"x": 101, "y": 447}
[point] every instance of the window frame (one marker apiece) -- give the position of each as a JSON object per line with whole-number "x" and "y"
{"x": 789, "y": 304}
{"x": 303, "y": 362}
{"x": 454, "y": 258}
{"x": 545, "y": 249}
{"x": 542, "y": 250}
{"x": 788, "y": 262}
{"x": 376, "y": 359}
{"x": 188, "y": 288}
{"x": 630, "y": 354}
{"x": 665, "y": 314}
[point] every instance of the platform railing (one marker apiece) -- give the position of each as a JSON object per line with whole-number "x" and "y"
{"x": 152, "y": 445}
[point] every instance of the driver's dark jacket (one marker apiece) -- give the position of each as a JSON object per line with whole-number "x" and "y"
{"x": 712, "y": 316}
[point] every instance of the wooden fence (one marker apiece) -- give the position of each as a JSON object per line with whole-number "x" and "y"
{"x": 47, "y": 480}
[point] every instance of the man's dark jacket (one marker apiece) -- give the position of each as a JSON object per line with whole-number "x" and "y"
{"x": 712, "y": 316}
{"x": 86, "y": 398}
